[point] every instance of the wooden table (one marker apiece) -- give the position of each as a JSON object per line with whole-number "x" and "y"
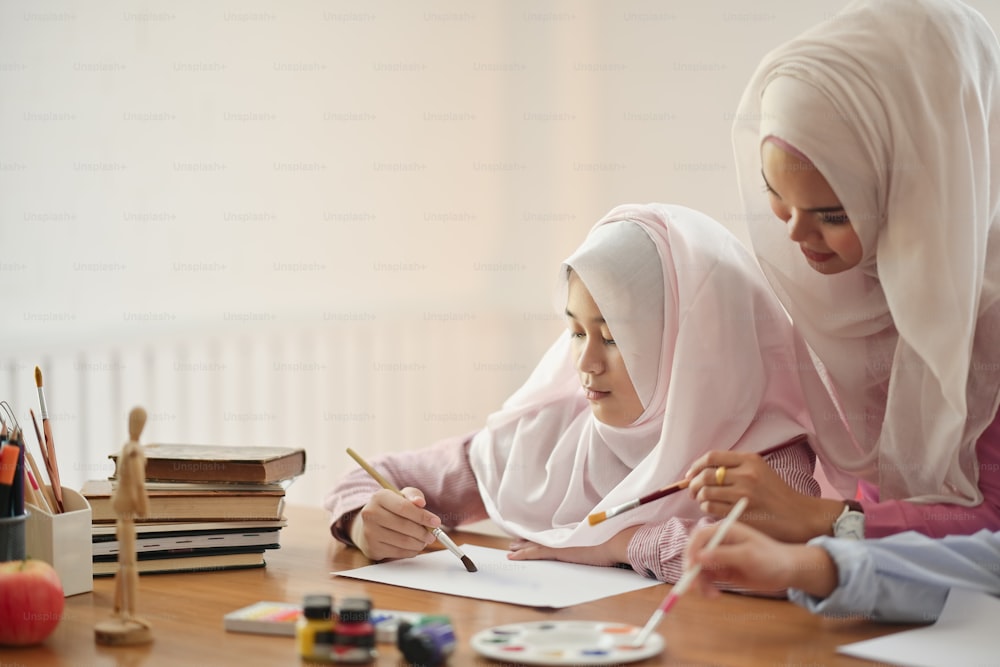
{"x": 186, "y": 613}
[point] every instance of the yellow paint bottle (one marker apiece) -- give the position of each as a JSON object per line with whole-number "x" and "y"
{"x": 316, "y": 617}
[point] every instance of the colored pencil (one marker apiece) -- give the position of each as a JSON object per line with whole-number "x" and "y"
{"x": 437, "y": 532}
{"x": 690, "y": 574}
{"x": 44, "y": 496}
{"x": 8, "y": 467}
{"x": 30, "y": 495}
{"x": 18, "y": 488}
{"x": 52, "y": 464}
{"x": 598, "y": 517}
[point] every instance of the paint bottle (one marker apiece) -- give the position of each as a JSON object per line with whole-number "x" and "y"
{"x": 354, "y": 636}
{"x": 316, "y": 618}
{"x": 427, "y": 643}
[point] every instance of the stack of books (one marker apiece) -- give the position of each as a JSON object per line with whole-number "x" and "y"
{"x": 210, "y": 508}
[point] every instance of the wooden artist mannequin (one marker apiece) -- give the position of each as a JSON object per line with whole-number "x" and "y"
{"x": 129, "y": 501}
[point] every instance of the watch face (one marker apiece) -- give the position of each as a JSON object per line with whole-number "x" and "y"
{"x": 850, "y": 526}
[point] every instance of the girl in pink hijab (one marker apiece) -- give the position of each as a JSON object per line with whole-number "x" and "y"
{"x": 868, "y": 151}
{"x": 674, "y": 346}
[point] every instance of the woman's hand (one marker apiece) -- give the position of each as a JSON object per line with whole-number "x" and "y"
{"x": 775, "y": 508}
{"x": 391, "y": 526}
{"x": 748, "y": 559}
{"x": 612, "y": 552}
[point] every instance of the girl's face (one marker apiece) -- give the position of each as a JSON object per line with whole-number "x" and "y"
{"x": 606, "y": 383}
{"x": 803, "y": 198}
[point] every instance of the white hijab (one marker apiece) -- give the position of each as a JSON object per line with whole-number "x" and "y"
{"x": 709, "y": 350}
{"x": 895, "y": 102}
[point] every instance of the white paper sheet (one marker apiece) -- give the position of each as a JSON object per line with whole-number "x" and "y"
{"x": 533, "y": 583}
{"x": 964, "y": 634}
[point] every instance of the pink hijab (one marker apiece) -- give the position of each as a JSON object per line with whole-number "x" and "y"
{"x": 709, "y": 350}
{"x": 897, "y": 103}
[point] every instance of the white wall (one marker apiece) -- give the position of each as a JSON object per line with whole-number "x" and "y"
{"x": 331, "y": 223}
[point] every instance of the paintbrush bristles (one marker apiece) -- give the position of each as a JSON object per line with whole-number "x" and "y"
{"x": 597, "y": 517}
{"x": 41, "y": 394}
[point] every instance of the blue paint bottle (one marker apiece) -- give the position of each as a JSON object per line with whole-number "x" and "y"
{"x": 427, "y": 643}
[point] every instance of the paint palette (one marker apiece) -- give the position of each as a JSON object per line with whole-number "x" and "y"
{"x": 565, "y": 643}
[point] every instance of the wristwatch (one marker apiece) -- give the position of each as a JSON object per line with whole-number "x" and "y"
{"x": 851, "y": 522}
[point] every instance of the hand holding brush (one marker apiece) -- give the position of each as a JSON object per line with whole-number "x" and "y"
{"x": 437, "y": 532}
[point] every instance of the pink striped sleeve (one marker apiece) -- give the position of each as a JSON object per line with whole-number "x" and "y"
{"x": 441, "y": 471}
{"x": 657, "y": 550}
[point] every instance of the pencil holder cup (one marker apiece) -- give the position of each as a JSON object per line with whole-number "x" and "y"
{"x": 65, "y": 542}
{"x": 12, "y": 529}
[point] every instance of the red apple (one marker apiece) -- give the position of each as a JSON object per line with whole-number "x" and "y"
{"x": 31, "y": 601}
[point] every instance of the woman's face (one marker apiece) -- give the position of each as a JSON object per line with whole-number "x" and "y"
{"x": 803, "y": 198}
{"x": 606, "y": 383}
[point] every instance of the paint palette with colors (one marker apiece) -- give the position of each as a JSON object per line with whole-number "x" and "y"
{"x": 565, "y": 643}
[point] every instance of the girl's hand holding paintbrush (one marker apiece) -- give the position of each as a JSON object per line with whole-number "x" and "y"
{"x": 394, "y": 526}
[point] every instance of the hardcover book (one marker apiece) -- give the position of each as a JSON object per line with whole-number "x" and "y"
{"x": 220, "y": 464}
{"x": 176, "y": 541}
{"x": 108, "y": 531}
{"x": 190, "y": 563}
{"x": 189, "y": 505}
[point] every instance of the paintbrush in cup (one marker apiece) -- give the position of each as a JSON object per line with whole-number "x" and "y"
{"x": 51, "y": 464}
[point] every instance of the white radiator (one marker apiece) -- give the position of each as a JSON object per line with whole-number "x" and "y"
{"x": 377, "y": 386}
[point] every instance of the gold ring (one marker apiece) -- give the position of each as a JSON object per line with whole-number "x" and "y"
{"x": 720, "y": 475}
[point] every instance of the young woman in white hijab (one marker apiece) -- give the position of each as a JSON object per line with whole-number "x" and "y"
{"x": 674, "y": 346}
{"x": 867, "y": 154}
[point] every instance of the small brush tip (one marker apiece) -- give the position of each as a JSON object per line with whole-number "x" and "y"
{"x": 38, "y": 376}
{"x": 469, "y": 565}
{"x": 596, "y": 518}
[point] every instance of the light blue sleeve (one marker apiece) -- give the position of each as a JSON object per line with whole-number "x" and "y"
{"x": 905, "y": 578}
